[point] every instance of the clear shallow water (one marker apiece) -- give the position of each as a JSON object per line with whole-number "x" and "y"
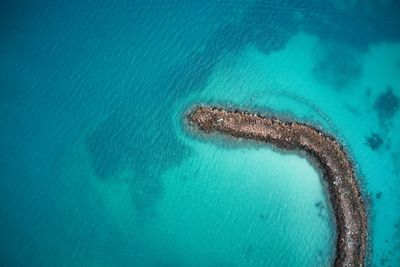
{"x": 97, "y": 168}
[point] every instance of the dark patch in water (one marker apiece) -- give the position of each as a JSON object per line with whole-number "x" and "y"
{"x": 271, "y": 23}
{"x": 227, "y": 39}
{"x": 361, "y": 24}
{"x": 338, "y": 67}
{"x": 318, "y": 204}
{"x": 262, "y": 217}
{"x": 374, "y": 141}
{"x": 386, "y": 105}
{"x": 119, "y": 143}
{"x": 378, "y": 195}
{"x": 109, "y": 146}
{"x": 270, "y": 28}
{"x": 146, "y": 191}
{"x": 321, "y": 209}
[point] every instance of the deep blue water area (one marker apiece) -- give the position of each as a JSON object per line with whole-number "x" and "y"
{"x": 97, "y": 166}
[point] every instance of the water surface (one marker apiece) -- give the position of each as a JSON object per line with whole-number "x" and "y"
{"x": 98, "y": 169}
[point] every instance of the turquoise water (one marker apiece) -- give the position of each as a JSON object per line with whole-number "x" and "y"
{"x": 97, "y": 167}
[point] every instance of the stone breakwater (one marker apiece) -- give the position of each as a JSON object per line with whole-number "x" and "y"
{"x": 344, "y": 193}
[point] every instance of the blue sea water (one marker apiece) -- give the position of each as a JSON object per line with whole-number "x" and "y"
{"x": 97, "y": 167}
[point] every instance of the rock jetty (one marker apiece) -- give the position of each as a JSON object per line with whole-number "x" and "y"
{"x": 337, "y": 169}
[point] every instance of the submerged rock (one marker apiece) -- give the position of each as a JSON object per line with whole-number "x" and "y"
{"x": 386, "y": 105}
{"x": 374, "y": 141}
{"x": 338, "y": 66}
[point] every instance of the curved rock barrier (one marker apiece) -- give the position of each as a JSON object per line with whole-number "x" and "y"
{"x": 344, "y": 192}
